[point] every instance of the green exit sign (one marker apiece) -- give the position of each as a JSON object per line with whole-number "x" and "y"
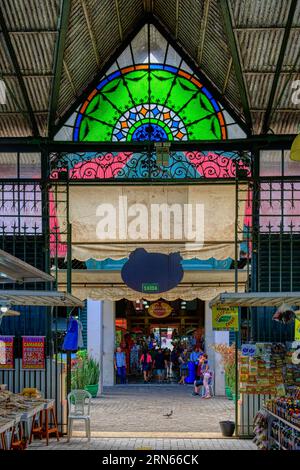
{"x": 150, "y": 287}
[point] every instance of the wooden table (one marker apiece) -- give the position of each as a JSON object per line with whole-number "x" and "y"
{"x": 5, "y": 425}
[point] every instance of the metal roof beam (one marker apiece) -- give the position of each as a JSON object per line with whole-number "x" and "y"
{"x": 14, "y": 60}
{"x": 227, "y": 75}
{"x": 236, "y": 60}
{"x": 58, "y": 63}
{"x": 269, "y": 141}
{"x": 90, "y": 30}
{"x": 148, "y": 6}
{"x": 119, "y": 19}
{"x": 203, "y": 29}
{"x": 268, "y": 113}
{"x": 177, "y": 19}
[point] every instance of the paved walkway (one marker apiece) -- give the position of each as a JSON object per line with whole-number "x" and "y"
{"x": 144, "y": 444}
{"x": 138, "y": 411}
{"x": 132, "y": 417}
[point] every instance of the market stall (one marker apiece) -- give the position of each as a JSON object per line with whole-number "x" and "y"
{"x": 25, "y": 412}
{"x": 268, "y": 374}
{"x": 19, "y": 415}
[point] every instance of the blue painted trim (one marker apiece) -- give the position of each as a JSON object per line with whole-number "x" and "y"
{"x": 188, "y": 265}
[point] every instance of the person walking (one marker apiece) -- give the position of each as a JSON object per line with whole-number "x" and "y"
{"x": 160, "y": 365}
{"x": 146, "y": 363}
{"x": 183, "y": 364}
{"x": 207, "y": 375}
{"x": 203, "y": 377}
{"x": 120, "y": 365}
{"x": 194, "y": 357}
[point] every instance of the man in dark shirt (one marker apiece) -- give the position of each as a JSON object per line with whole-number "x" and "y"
{"x": 160, "y": 364}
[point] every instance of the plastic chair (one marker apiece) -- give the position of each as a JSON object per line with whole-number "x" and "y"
{"x": 79, "y": 402}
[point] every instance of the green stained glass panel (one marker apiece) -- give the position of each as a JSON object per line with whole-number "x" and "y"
{"x": 137, "y": 83}
{"x": 161, "y": 84}
{"x": 118, "y": 94}
{"x": 104, "y": 111}
{"x": 206, "y": 129}
{"x": 173, "y": 102}
{"x": 182, "y": 91}
{"x": 193, "y": 110}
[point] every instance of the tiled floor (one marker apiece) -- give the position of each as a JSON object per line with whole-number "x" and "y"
{"x": 144, "y": 444}
{"x": 142, "y": 409}
{"x": 132, "y": 417}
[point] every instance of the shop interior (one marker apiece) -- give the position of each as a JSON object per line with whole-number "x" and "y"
{"x": 169, "y": 325}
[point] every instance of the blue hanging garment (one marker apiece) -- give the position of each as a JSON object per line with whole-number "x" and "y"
{"x": 71, "y": 338}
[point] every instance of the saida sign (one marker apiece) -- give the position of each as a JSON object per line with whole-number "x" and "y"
{"x": 225, "y": 318}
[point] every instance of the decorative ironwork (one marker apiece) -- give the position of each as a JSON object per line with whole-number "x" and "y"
{"x": 20, "y": 208}
{"x": 126, "y": 165}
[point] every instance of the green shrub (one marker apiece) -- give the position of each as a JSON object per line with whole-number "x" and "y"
{"x": 86, "y": 372}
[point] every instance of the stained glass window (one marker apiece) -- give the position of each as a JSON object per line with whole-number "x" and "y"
{"x": 150, "y": 94}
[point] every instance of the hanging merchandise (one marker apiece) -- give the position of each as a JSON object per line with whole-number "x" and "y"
{"x": 284, "y": 314}
{"x": 80, "y": 336}
{"x": 296, "y": 356}
{"x": 71, "y": 338}
{"x": 261, "y": 430}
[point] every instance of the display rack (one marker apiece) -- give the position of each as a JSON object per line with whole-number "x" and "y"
{"x": 294, "y": 442}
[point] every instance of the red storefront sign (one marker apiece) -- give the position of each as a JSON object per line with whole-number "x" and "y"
{"x": 33, "y": 352}
{"x": 6, "y": 352}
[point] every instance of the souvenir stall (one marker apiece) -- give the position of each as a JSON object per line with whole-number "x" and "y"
{"x": 26, "y": 413}
{"x": 268, "y": 374}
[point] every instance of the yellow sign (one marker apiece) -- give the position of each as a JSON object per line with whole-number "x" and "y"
{"x": 160, "y": 310}
{"x": 225, "y": 318}
{"x": 297, "y": 329}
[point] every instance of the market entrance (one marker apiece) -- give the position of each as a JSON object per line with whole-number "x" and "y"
{"x": 171, "y": 327}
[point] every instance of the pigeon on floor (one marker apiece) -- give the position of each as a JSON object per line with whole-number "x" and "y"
{"x": 168, "y": 415}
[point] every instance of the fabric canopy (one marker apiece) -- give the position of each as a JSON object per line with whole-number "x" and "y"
{"x": 122, "y": 292}
{"x": 112, "y": 221}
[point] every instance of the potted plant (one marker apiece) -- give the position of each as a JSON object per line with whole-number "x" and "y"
{"x": 93, "y": 374}
{"x": 85, "y": 374}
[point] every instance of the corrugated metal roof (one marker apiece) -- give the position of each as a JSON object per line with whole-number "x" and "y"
{"x": 259, "y": 49}
{"x": 31, "y": 14}
{"x": 256, "y": 299}
{"x": 97, "y": 29}
{"x": 260, "y": 13}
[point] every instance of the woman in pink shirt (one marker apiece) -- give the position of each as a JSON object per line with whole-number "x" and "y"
{"x": 146, "y": 362}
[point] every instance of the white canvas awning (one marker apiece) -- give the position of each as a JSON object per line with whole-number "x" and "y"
{"x": 39, "y": 298}
{"x": 128, "y": 212}
{"x": 13, "y": 269}
{"x": 256, "y": 299}
{"x": 108, "y": 285}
